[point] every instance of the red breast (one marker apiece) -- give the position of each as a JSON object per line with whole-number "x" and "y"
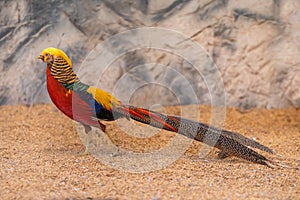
{"x": 68, "y": 102}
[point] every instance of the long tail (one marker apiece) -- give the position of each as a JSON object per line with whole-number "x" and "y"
{"x": 229, "y": 143}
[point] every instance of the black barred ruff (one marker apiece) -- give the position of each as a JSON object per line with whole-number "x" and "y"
{"x": 64, "y": 74}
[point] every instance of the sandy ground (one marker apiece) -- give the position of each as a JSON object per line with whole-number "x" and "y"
{"x": 42, "y": 158}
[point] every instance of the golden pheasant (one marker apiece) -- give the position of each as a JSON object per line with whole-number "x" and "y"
{"x": 93, "y": 105}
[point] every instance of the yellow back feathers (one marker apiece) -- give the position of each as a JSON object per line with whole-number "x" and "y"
{"x": 107, "y": 100}
{"x": 56, "y": 53}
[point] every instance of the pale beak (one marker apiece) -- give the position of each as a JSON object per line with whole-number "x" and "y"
{"x": 41, "y": 57}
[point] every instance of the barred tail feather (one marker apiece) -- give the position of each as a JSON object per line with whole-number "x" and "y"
{"x": 229, "y": 142}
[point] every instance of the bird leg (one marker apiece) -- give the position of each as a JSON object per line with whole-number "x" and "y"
{"x": 88, "y": 131}
{"x": 102, "y": 126}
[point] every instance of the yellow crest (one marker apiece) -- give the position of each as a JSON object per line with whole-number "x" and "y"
{"x": 57, "y": 53}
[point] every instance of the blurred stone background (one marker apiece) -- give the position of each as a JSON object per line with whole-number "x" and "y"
{"x": 255, "y": 45}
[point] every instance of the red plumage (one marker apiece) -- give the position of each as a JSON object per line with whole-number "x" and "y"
{"x": 69, "y": 102}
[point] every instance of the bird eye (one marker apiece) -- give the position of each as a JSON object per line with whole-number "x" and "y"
{"x": 47, "y": 54}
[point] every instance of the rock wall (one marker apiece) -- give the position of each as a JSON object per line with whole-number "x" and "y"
{"x": 254, "y": 45}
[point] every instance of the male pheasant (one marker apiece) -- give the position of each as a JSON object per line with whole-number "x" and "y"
{"x": 90, "y": 106}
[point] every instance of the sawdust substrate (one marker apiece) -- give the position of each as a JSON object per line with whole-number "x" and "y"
{"x": 42, "y": 158}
